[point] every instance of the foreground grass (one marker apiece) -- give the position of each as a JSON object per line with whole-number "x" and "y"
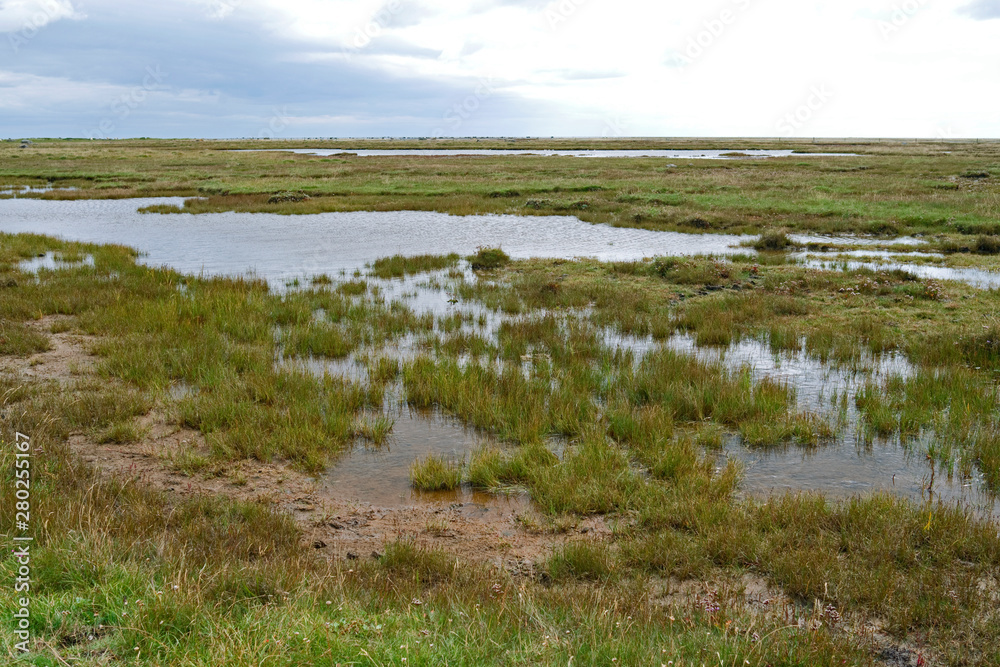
{"x": 207, "y": 582}
{"x": 640, "y": 438}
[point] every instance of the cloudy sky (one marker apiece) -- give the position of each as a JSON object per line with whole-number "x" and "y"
{"x": 345, "y": 68}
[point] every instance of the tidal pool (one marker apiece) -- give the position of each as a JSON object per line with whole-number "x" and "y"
{"x": 283, "y": 248}
{"x": 280, "y": 248}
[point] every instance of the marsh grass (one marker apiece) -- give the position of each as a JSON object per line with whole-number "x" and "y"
{"x": 581, "y": 560}
{"x": 399, "y": 266}
{"x": 487, "y": 259}
{"x": 122, "y": 433}
{"x": 19, "y": 340}
{"x": 435, "y": 473}
{"x": 772, "y": 240}
{"x": 377, "y": 429}
{"x": 639, "y": 438}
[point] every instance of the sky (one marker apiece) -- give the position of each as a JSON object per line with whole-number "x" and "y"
{"x": 287, "y": 69}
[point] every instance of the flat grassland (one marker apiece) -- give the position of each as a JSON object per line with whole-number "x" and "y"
{"x": 177, "y": 443}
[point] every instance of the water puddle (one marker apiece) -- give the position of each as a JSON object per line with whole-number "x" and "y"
{"x": 813, "y": 381}
{"x": 15, "y": 190}
{"x": 52, "y": 261}
{"x": 849, "y": 239}
{"x": 652, "y": 153}
{"x": 975, "y": 277}
{"x": 845, "y": 468}
{"x": 283, "y": 249}
{"x": 877, "y": 254}
{"x": 380, "y": 476}
{"x": 849, "y": 465}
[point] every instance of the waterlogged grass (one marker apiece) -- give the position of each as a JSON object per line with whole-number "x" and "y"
{"x": 773, "y": 240}
{"x": 589, "y": 430}
{"x": 435, "y": 473}
{"x": 399, "y": 266}
{"x": 486, "y": 259}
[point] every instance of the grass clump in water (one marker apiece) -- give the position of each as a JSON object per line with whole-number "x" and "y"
{"x": 374, "y": 428}
{"x": 399, "y": 266}
{"x": 773, "y": 240}
{"x": 435, "y": 473}
{"x": 487, "y": 259}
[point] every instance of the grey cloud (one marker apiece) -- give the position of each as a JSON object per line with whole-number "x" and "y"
{"x": 232, "y": 77}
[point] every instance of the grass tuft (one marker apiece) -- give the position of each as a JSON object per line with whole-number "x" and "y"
{"x": 487, "y": 259}
{"x": 773, "y": 240}
{"x": 435, "y": 473}
{"x": 399, "y": 266}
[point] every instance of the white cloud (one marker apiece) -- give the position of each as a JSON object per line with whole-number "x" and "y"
{"x": 28, "y": 16}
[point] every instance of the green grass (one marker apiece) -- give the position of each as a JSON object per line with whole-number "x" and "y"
{"x": 435, "y": 473}
{"x": 18, "y": 340}
{"x": 486, "y": 259}
{"x": 399, "y": 266}
{"x": 581, "y": 560}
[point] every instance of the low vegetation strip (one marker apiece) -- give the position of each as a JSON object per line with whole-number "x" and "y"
{"x": 922, "y": 188}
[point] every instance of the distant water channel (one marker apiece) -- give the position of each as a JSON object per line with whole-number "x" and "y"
{"x": 666, "y": 154}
